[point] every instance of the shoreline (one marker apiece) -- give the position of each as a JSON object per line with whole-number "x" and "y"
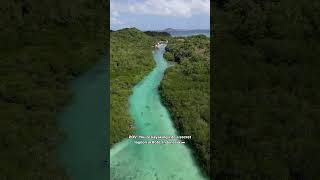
{"x": 174, "y": 92}
{"x": 89, "y": 98}
{"x": 123, "y": 77}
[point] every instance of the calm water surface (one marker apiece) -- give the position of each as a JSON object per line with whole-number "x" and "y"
{"x": 85, "y": 149}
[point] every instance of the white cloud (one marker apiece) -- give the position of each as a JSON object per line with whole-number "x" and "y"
{"x": 114, "y": 16}
{"x": 115, "y": 21}
{"x": 177, "y": 8}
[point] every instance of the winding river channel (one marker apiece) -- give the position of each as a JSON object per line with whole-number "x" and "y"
{"x": 130, "y": 160}
{"x": 84, "y": 151}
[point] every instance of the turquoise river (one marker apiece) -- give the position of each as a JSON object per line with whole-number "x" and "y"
{"x": 130, "y": 160}
{"x": 84, "y": 151}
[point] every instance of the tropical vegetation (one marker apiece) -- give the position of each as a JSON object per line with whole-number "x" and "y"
{"x": 185, "y": 91}
{"x": 266, "y": 90}
{"x": 44, "y": 45}
{"x": 130, "y": 60}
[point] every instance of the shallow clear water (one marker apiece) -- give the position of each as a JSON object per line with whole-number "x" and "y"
{"x": 152, "y": 161}
{"x": 84, "y": 121}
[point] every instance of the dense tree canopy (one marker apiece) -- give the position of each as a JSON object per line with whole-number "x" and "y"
{"x": 44, "y": 44}
{"x": 266, "y": 90}
{"x": 155, "y": 33}
{"x": 185, "y": 90}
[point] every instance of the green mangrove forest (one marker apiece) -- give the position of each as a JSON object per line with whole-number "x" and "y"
{"x": 44, "y": 44}
{"x": 266, "y": 90}
{"x": 185, "y": 91}
{"x": 131, "y": 59}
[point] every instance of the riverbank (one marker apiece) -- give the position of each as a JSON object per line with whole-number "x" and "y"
{"x": 42, "y": 52}
{"x": 185, "y": 91}
{"x": 84, "y": 152}
{"x": 131, "y": 60}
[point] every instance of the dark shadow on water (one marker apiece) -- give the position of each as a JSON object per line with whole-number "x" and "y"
{"x": 84, "y": 153}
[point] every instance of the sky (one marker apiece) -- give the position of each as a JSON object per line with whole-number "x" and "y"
{"x": 160, "y": 14}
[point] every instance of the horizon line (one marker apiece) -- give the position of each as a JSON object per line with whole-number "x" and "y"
{"x": 181, "y": 29}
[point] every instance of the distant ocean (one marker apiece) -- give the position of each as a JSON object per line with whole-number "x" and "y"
{"x": 189, "y": 32}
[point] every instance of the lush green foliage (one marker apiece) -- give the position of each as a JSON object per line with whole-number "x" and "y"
{"x": 155, "y": 33}
{"x": 44, "y": 44}
{"x": 266, "y": 90}
{"x": 185, "y": 91}
{"x": 131, "y": 59}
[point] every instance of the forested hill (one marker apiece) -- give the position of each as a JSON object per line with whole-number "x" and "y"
{"x": 130, "y": 60}
{"x": 156, "y": 33}
{"x": 44, "y": 44}
{"x": 266, "y": 90}
{"x": 185, "y": 91}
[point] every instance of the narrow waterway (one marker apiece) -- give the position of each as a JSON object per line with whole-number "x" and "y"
{"x": 152, "y": 161}
{"x": 85, "y": 150}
